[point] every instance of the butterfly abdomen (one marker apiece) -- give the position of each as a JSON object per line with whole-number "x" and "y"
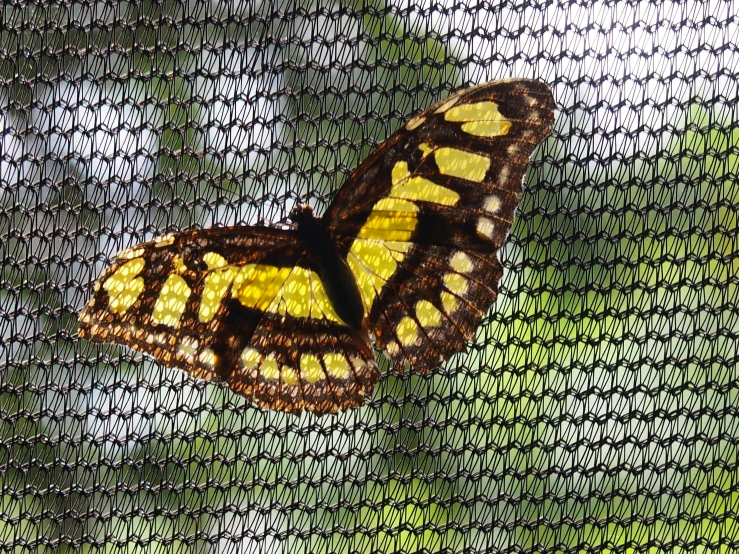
{"x": 338, "y": 280}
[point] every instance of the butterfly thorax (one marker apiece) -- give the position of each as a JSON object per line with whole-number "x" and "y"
{"x": 324, "y": 256}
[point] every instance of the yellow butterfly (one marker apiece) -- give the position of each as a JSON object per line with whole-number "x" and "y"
{"x": 406, "y": 253}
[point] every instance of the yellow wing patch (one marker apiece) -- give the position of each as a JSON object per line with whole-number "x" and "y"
{"x": 381, "y": 245}
{"x": 427, "y": 314}
{"x": 270, "y": 369}
{"x": 482, "y": 119}
{"x": 456, "y": 283}
{"x": 257, "y": 285}
{"x": 217, "y": 283}
{"x": 417, "y": 188}
{"x": 250, "y": 358}
{"x": 461, "y": 262}
{"x": 302, "y": 295}
{"x": 337, "y": 366}
{"x": 289, "y": 376}
{"x": 461, "y": 164}
{"x": 124, "y": 286}
{"x": 394, "y": 226}
{"x": 449, "y": 302}
{"x": 373, "y": 263}
{"x": 310, "y": 368}
{"x": 170, "y": 304}
{"x": 295, "y": 291}
{"x": 207, "y": 357}
{"x": 407, "y": 331}
{"x": 295, "y": 295}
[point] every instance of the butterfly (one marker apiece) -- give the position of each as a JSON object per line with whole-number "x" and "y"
{"x": 404, "y": 257}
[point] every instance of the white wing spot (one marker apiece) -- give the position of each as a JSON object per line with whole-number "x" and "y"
{"x": 250, "y": 358}
{"x": 448, "y": 104}
{"x": 503, "y": 175}
{"x": 415, "y": 122}
{"x": 456, "y": 283}
{"x": 130, "y": 253}
{"x": 392, "y": 349}
{"x": 207, "y": 357}
{"x": 492, "y": 204}
{"x": 461, "y": 262}
{"x": 187, "y": 348}
{"x": 164, "y": 240}
{"x": 485, "y": 227}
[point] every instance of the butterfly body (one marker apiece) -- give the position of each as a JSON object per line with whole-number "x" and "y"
{"x": 405, "y": 254}
{"x": 330, "y": 265}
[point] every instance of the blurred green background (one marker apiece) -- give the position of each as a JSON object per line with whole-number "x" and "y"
{"x": 595, "y": 412}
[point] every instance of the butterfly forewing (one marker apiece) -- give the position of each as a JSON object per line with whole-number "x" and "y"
{"x": 240, "y": 305}
{"x": 422, "y": 219}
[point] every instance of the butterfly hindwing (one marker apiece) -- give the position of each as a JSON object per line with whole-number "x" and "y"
{"x": 305, "y": 364}
{"x": 422, "y": 219}
{"x": 240, "y": 305}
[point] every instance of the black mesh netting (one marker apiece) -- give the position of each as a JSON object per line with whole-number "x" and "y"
{"x": 595, "y": 412}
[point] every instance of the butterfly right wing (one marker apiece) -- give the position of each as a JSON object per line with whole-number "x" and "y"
{"x": 240, "y": 305}
{"x": 421, "y": 220}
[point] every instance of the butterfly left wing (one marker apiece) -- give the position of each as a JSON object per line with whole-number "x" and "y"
{"x": 421, "y": 220}
{"x": 241, "y": 305}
